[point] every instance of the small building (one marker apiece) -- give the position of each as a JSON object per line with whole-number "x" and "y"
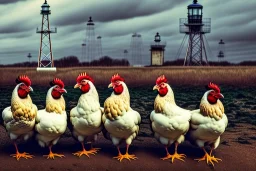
{"x": 157, "y": 51}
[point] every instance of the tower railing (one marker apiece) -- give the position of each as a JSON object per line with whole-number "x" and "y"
{"x": 51, "y": 30}
{"x": 185, "y": 25}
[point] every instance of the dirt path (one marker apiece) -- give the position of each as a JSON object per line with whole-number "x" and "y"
{"x": 238, "y": 152}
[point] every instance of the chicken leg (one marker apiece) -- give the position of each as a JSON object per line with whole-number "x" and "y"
{"x": 127, "y": 156}
{"x": 175, "y": 155}
{"x": 208, "y": 158}
{"x": 85, "y": 152}
{"x": 51, "y": 155}
{"x": 19, "y": 155}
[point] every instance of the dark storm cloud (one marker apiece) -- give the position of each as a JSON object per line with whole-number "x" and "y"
{"x": 10, "y": 1}
{"x": 116, "y": 20}
{"x": 13, "y": 28}
{"x": 108, "y": 11}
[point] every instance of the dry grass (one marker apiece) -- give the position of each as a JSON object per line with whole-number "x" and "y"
{"x": 239, "y": 76}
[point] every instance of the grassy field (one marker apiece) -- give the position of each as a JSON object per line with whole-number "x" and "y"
{"x": 238, "y": 76}
{"x": 237, "y": 85}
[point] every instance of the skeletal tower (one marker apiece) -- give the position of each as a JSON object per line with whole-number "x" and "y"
{"x": 83, "y": 51}
{"x": 29, "y": 56}
{"x": 45, "y": 57}
{"x": 195, "y": 27}
{"x": 99, "y": 47}
{"x": 125, "y": 54}
{"x": 90, "y": 41}
{"x": 136, "y": 48}
{"x": 221, "y": 53}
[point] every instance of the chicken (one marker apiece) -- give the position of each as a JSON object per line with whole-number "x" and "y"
{"x": 51, "y": 122}
{"x": 208, "y": 123}
{"x": 19, "y": 118}
{"x": 86, "y": 116}
{"x": 120, "y": 121}
{"x": 169, "y": 122}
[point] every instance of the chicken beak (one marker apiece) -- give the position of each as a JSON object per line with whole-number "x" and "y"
{"x": 63, "y": 90}
{"x": 110, "y": 85}
{"x": 219, "y": 96}
{"x": 30, "y": 89}
{"x": 156, "y": 87}
{"x": 77, "y": 86}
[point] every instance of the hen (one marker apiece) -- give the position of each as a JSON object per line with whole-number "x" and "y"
{"x": 51, "y": 122}
{"x": 121, "y": 122}
{"x": 19, "y": 118}
{"x": 208, "y": 123}
{"x": 86, "y": 116}
{"x": 169, "y": 122}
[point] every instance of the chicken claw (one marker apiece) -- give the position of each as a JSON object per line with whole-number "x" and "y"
{"x": 51, "y": 155}
{"x": 127, "y": 156}
{"x": 22, "y": 155}
{"x": 85, "y": 152}
{"x": 209, "y": 158}
{"x": 175, "y": 156}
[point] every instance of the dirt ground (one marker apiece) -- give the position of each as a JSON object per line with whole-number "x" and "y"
{"x": 237, "y": 151}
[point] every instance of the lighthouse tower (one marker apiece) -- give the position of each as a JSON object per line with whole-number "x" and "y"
{"x": 45, "y": 57}
{"x": 157, "y": 51}
{"x": 195, "y": 27}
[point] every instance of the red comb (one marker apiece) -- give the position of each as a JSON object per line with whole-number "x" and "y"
{"x": 161, "y": 79}
{"x": 84, "y": 76}
{"x": 214, "y": 87}
{"x": 57, "y": 81}
{"x": 23, "y": 79}
{"x": 116, "y": 77}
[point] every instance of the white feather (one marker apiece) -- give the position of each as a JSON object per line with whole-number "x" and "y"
{"x": 50, "y": 126}
{"x": 172, "y": 124}
{"x": 16, "y": 128}
{"x": 206, "y": 130}
{"x": 86, "y": 116}
{"x": 125, "y": 127}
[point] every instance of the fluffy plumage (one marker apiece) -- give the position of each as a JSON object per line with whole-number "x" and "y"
{"x": 169, "y": 122}
{"x": 86, "y": 116}
{"x": 121, "y": 122}
{"x": 208, "y": 123}
{"x": 19, "y": 118}
{"x": 51, "y": 122}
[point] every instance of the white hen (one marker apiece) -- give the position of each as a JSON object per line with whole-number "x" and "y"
{"x": 120, "y": 120}
{"x": 208, "y": 123}
{"x": 51, "y": 122}
{"x": 86, "y": 116}
{"x": 19, "y": 118}
{"x": 169, "y": 122}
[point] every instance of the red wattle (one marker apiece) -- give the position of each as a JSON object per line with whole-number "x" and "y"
{"x": 85, "y": 88}
{"x": 22, "y": 93}
{"x": 118, "y": 89}
{"x": 56, "y": 94}
{"x": 211, "y": 99}
{"x": 163, "y": 91}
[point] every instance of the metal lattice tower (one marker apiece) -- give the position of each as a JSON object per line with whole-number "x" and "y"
{"x": 125, "y": 54}
{"x": 90, "y": 41}
{"x": 83, "y": 45}
{"x": 195, "y": 27}
{"x": 29, "y": 56}
{"x": 99, "y": 47}
{"x": 136, "y": 49}
{"x": 221, "y": 53}
{"x": 45, "y": 57}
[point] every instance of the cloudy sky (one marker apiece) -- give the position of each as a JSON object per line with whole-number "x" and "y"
{"x": 234, "y": 21}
